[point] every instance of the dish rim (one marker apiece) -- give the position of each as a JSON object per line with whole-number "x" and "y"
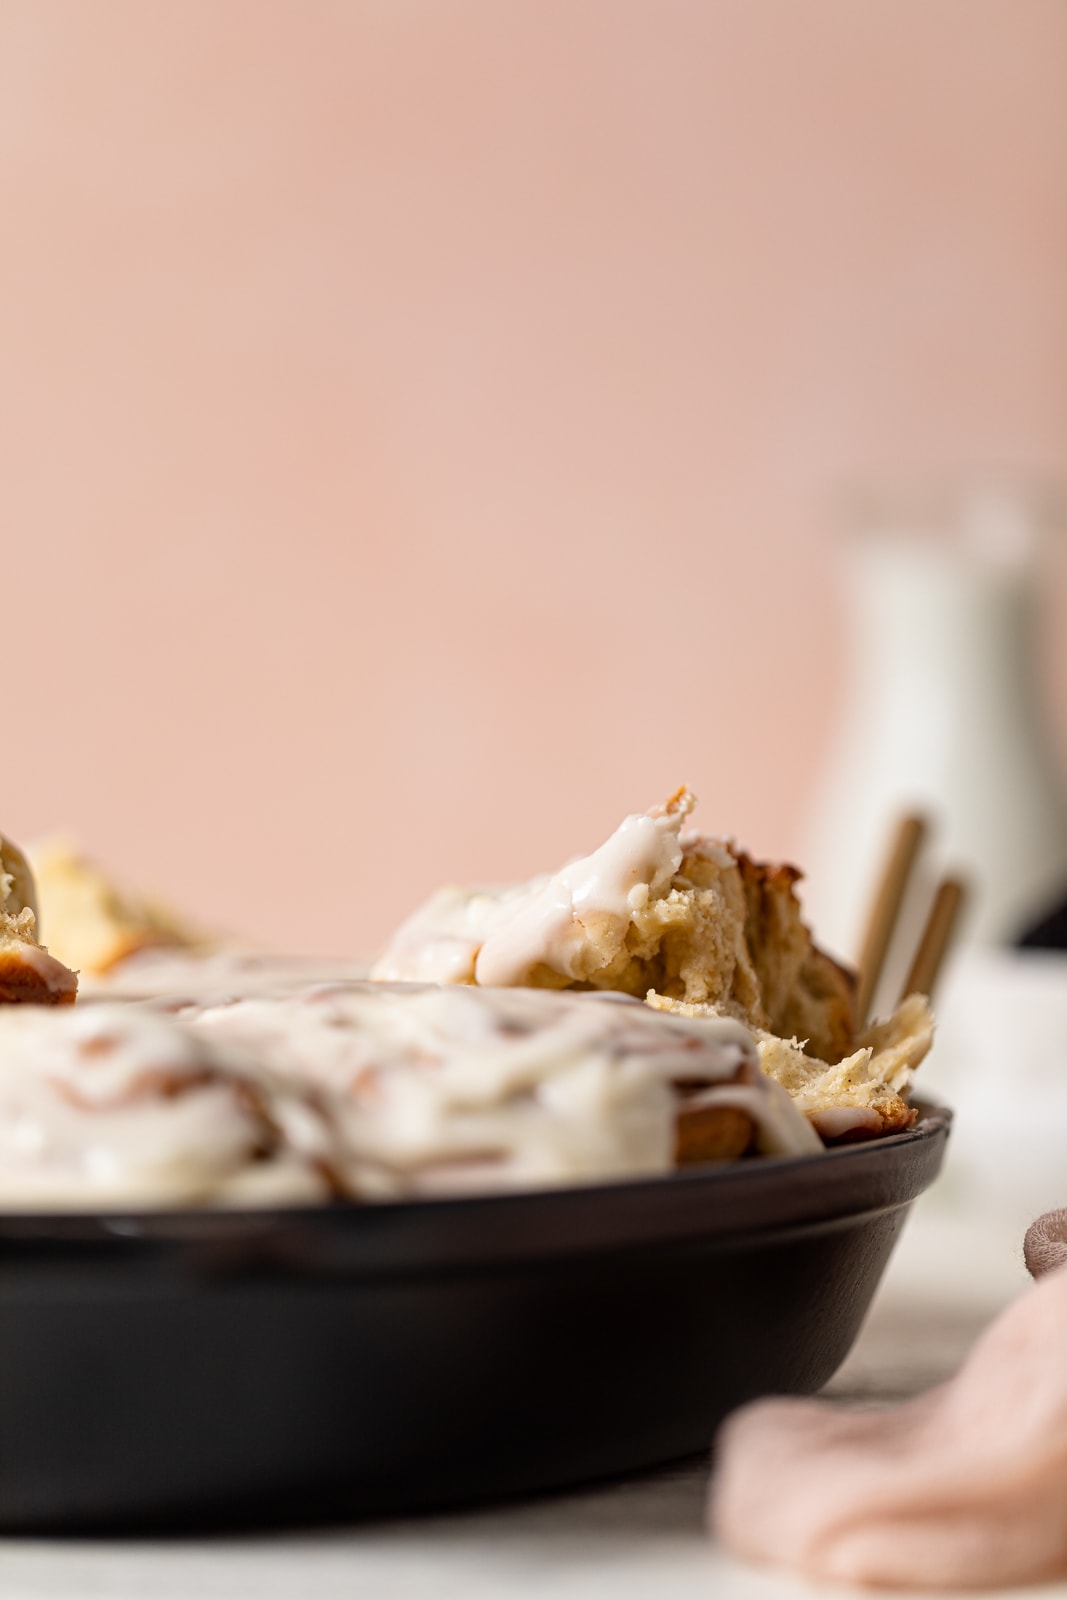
{"x": 727, "y": 1203}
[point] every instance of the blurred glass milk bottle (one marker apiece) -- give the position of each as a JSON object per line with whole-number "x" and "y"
{"x": 943, "y": 712}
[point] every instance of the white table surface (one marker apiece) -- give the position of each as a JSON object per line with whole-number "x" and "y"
{"x": 643, "y": 1538}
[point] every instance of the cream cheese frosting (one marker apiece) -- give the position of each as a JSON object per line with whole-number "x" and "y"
{"x": 114, "y": 1106}
{"x": 570, "y": 921}
{"x": 567, "y": 927}
{"x": 364, "y": 1089}
{"x": 443, "y": 1088}
{"x": 694, "y": 926}
{"x": 187, "y": 976}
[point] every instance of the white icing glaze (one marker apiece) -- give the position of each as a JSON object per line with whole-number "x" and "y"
{"x": 439, "y": 942}
{"x": 391, "y": 1089}
{"x": 459, "y": 1087}
{"x": 709, "y": 846}
{"x": 111, "y": 1105}
{"x": 218, "y": 974}
{"x": 573, "y": 922}
{"x": 58, "y": 979}
{"x": 550, "y": 925}
{"x": 780, "y": 1129}
{"x": 834, "y": 1122}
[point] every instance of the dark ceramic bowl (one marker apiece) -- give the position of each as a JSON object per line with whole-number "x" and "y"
{"x": 206, "y": 1367}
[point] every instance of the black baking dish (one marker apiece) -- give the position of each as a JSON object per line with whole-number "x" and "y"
{"x": 230, "y": 1367}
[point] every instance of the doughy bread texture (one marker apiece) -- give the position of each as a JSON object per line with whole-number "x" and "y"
{"x": 28, "y": 973}
{"x": 92, "y": 923}
{"x": 695, "y": 925}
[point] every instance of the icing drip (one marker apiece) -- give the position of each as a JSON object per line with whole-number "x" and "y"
{"x": 436, "y": 1087}
{"x": 589, "y": 902}
{"x": 363, "y": 1088}
{"x": 563, "y": 927}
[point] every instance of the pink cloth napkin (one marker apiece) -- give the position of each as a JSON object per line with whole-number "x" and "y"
{"x": 964, "y": 1487}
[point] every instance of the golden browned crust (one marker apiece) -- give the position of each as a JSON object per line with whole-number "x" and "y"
{"x": 822, "y": 1006}
{"x": 28, "y": 974}
{"x": 93, "y": 924}
{"x": 684, "y": 914}
{"x": 21, "y": 982}
{"x": 712, "y": 1133}
{"x": 804, "y": 993}
{"x": 705, "y": 930}
{"x": 861, "y": 1096}
{"x": 895, "y": 1117}
{"x": 730, "y": 933}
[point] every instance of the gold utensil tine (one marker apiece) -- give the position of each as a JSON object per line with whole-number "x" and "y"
{"x": 941, "y": 925}
{"x": 907, "y": 841}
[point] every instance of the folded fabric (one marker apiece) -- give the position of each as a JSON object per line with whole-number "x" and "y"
{"x": 964, "y": 1487}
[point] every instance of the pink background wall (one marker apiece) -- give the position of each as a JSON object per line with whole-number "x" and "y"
{"x": 419, "y": 416}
